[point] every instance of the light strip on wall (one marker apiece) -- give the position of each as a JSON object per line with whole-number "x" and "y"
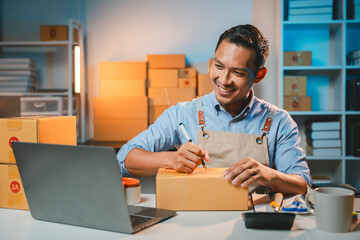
{"x": 77, "y": 68}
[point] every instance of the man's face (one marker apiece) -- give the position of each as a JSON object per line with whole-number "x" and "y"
{"x": 232, "y": 74}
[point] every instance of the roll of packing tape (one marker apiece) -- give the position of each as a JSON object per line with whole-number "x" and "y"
{"x": 132, "y": 190}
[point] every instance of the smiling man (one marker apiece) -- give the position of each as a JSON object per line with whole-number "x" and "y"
{"x": 257, "y": 142}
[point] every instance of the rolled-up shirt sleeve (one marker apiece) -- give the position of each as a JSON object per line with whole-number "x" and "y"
{"x": 289, "y": 157}
{"x": 160, "y": 136}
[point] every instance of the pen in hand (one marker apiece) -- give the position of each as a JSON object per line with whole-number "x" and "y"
{"x": 183, "y": 129}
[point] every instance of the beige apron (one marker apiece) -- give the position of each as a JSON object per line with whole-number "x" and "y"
{"x": 227, "y": 148}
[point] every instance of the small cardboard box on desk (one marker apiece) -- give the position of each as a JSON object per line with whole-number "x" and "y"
{"x": 54, "y": 130}
{"x": 200, "y": 190}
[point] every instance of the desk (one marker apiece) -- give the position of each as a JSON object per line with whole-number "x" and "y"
{"x": 18, "y": 224}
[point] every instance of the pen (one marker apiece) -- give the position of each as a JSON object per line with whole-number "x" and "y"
{"x": 188, "y": 138}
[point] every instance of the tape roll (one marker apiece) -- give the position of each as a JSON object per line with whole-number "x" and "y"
{"x": 133, "y": 195}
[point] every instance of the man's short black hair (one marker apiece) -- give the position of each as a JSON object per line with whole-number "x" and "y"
{"x": 248, "y": 36}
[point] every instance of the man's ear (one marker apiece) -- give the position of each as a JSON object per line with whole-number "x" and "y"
{"x": 260, "y": 74}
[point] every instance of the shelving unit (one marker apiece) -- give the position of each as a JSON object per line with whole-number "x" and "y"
{"x": 25, "y": 48}
{"x": 330, "y": 42}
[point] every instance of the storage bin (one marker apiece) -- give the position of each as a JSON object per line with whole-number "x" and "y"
{"x": 45, "y": 106}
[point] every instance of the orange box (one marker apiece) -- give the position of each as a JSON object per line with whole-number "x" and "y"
{"x": 122, "y": 87}
{"x": 166, "y": 61}
{"x": 187, "y": 73}
{"x": 295, "y": 85}
{"x": 163, "y": 78}
{"x": 57, "y": 33}
{"x": 187, "y": 82}
{"x": 204, "y": 84}
{"x": 170, "y": 96}
{"x": 155, "y": 112}
{"x": 294, "y": 103}
{"x": 115, "y": 129}
{"x": 120, "y": 107}
{"x": 300, "y": 58}
{"x": 202, "y": 190}
{"x": 54, "y": 130}
{"x": 122, "y": 70}
{"x": 12, "y": 193}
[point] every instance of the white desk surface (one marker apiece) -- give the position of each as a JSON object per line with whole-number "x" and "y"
{"x": 18, "y": 224}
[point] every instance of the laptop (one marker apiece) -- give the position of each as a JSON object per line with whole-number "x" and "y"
{"x": 80, "y": 185}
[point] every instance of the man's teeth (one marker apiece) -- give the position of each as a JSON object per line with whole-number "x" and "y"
{"x": 225, "y": 89}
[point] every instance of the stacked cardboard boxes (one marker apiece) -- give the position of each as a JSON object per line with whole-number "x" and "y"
{"x": 170, "y": 82}
{"x": 54, "y": 130}
{"x": 121, "y": 110}
{"x": 295, "y": 98}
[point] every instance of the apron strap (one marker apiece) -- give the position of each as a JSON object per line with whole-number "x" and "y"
{"x": 201, "y": 117}
{"x": 265, "y": 130}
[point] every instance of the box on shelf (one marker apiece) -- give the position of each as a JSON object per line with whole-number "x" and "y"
{"x": 155, "y": 112}
{"x": 57, "y": 33}
{"x": 163, "y": 78}
{"x": 122, "y": 87}
{"x": 166, "y": 61}
{"x": 115, "y": 129}
{"x": 204, "y": 84}
{"x": 45, "y": 106}
{"x": 120, "y": 107}
{"x": 295, "y": 85}
{"x": 297, "y": 58}
{"x": 187, "y": 83}
{"x": 294, "y": 103}
{"x": 201, "y": 190}
{"x": 187, "y": 73}
{"x": 12, "y": 193}
{"x": 170, "y": 96}
{"x": 122, "y": 70}
{"x": 55, "y": 130}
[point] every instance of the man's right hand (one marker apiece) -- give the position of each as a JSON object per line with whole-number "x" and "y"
{"x": 188, "y": 157}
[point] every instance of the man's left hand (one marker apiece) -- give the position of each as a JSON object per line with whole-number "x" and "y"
{"x": 248, "y": 171}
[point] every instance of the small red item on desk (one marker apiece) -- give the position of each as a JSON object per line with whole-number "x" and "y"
{"x": 130, "y": 182}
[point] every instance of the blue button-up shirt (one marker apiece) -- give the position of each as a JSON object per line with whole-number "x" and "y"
{"x": 285, "y": 153}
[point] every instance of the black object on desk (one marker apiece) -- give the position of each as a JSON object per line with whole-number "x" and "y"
{"x": 268, "y": 220}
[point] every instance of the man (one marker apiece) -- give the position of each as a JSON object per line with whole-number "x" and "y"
{"x": 257, "y": 142}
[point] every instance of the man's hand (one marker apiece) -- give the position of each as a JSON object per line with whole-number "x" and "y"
{"x": 188, "y": 157}
{"x": 248, "y": 171}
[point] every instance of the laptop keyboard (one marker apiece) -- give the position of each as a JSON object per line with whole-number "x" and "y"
{"x": 137, "y": 220}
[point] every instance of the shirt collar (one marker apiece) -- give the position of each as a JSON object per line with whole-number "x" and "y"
{"x": 218, "y": 107}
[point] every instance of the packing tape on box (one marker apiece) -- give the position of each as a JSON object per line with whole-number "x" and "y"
{"x": 133, "y": 195}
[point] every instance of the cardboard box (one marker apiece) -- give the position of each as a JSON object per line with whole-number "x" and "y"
{"x": 57, "y": 33}
{"x": 166, "y": 61}
{"x": 294, "y": 103}
{"x": 54, "y": 130}
{"x": 122, "y": 87}
{"x": 163, "y": 78}
{"x": 120, "y": 107}
{"x": 187, "y": 73}
{"x": 12, "y": 193}
{"x": 300, "y": 58}
{"x": 204, "y": 84}
{"x": 187, "y": 82}
{"x": 170, "y": 96}
{"x": 122, "y": 70}
{"x": 295, "y": 85}
{"x": 155, "y": 112}
{"x": 118, "y": 129}
{"x": 201, "y": 190}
